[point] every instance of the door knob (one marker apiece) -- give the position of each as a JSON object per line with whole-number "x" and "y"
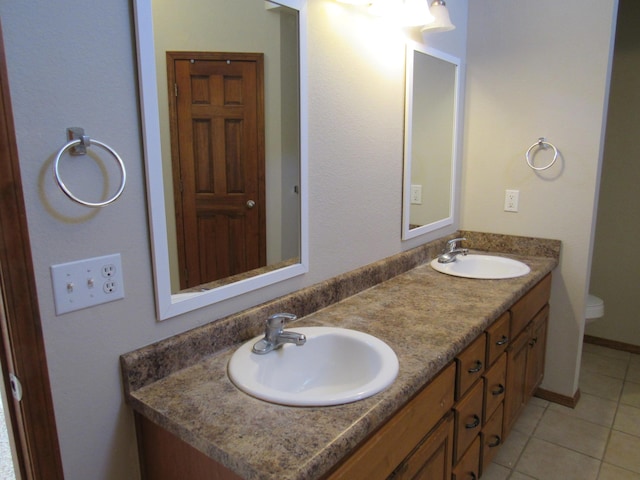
{"x": 251, "y": 204}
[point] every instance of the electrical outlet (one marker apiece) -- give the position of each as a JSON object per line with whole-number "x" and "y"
{"x": 88, "y": 282}
{"x": 511, "y": 199}
{"x": 108, "y": 270}
{"x": 416, "y": 194}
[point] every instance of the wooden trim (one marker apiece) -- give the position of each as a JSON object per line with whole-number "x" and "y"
{"x": 22, "y": 349}
{"x": 563, "y": 400}
{"x": 614, "y": 344}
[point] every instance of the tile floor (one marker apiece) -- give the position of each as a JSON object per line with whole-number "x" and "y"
{"x": 598, "y": 440}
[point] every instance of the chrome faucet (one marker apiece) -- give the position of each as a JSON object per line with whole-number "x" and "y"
{"x": 452, "y": 250}
{"x": 275, "y": 336}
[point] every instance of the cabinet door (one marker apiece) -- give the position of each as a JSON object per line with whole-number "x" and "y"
{"x": 537, "y": 348}
{"x": 515, "y": 397}
{"x": 433, "y": 458}
{"x": 163, "y": 456}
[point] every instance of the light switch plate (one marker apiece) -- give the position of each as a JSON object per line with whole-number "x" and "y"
{"x": 85, "y": 283}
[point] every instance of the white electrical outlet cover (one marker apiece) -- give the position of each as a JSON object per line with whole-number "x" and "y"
{"x": 88, "y": 282}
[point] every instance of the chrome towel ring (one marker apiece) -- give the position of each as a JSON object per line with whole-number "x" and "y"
{"x": 78, "y": 147}
{"x": 541, "y": 143}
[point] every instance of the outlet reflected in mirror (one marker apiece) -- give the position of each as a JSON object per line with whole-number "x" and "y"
{"x": 432, "y": 105}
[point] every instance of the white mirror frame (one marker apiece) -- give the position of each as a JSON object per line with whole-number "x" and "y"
{"x": 167, "y": 304}
{"x": 407, "y": 232}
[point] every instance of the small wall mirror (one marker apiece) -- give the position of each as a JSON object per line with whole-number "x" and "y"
{"x": 432, "y": 97}
{"x": 223, "y": 95}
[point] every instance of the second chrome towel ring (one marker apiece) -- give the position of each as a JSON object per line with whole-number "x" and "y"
{"x": 77, "y": 147}
{"x": 541, "y": 143}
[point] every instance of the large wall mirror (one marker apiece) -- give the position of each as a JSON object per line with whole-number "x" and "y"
{"x": 432, "y": 116}
{"x": 223, "y": 93}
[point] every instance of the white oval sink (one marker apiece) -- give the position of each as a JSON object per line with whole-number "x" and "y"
{"x": 482, "y": 266}
{"x": 334, "y": 366}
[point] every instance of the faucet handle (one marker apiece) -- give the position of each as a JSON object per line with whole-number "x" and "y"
{"x": 277, "y": 320}
{"x": 451, "y": 244}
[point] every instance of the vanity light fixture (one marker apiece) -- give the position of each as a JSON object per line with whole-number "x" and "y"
{"x": 442, "y": 21}
{"x": 415, "y": 13}
{"x": 407, "y": 13}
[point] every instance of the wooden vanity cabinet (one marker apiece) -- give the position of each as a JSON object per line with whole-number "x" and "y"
{"x": 537, "y": 350}
{"x": 164, "y": 456}
{"x": 468, "y": 413}
{"x": 494, "y": 378}
{"x": 491, "y": 438}
{"x": 432, "y": 459}
{"x": 450, "y": 430}
{"x": 526, "y": 354}
{"x": 498, "y": 337}
{"x": 395, "y": 442}
{"x": 494, "y": 387}
{"x": 468, "y": 468}
{"x": 531, "y": 303}
{"x": 471, "y": 365}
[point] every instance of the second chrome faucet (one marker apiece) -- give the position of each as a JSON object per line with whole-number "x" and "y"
{"x": 275, "y": 335}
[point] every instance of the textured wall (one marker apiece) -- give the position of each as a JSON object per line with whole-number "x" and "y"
{"x": 539, "y": 69}
{"x": 73, "y": 64}
{"x": 616, "y": 267}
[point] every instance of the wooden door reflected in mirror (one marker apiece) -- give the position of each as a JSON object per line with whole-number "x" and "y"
{"x": 217, "y": 145}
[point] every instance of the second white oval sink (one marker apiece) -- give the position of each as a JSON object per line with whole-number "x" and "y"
{"x": 486, "y": 267}
{"x": 334, "y": 366}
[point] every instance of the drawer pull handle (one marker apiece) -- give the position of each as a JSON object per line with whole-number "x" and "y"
{"x": 477, "y": 368}
{"x": 499, "y": 391}
{"x": 496, "y": 442}
{"x": 504, "y": 340}
{"x": 474, "y": 424}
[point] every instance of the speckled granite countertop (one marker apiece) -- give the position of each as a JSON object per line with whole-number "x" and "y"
{"x": 425, "y": 316}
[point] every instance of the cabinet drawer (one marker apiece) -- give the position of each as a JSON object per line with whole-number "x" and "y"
{"x": 379, "y": 456}
{"x": 498, "y": 338}
{"x": 469, "y": 466}
{"x": 491, "y": 438}
{"x": 525, "y": 308}
{"x": 468, "y": 413}
{"x": 471, "y": 365}
{"x": 494, "y": 387}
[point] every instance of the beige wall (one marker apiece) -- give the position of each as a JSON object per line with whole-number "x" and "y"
{"x": 73, "y": 64}
{"x": 615, "y": 274}
{"x": 539, "y": 69}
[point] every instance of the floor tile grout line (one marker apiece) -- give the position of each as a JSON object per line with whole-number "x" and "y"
{"x": 513, "y": 470}
{"x": 529, "y": 437}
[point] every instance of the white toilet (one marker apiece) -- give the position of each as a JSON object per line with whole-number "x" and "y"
{"x": 595, "y": 308}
